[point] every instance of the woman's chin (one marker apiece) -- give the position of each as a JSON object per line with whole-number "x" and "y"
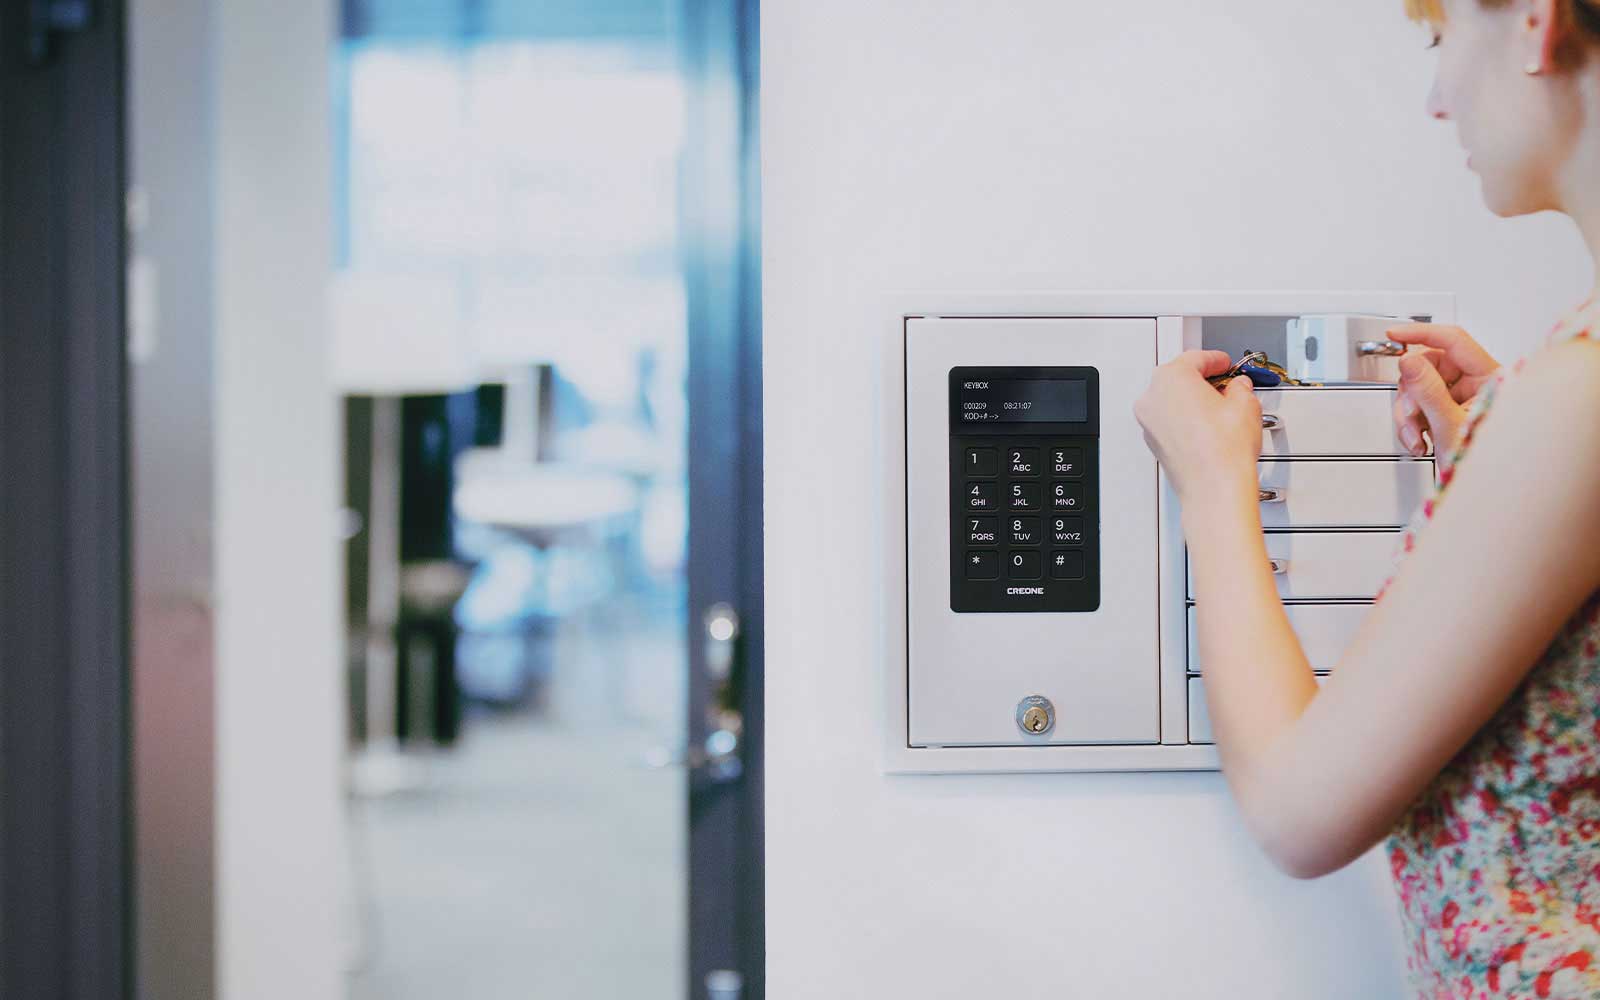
{"x": 1505, "y": 204}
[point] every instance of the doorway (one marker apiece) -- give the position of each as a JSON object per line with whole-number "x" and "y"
{"x": 553, "y": 541}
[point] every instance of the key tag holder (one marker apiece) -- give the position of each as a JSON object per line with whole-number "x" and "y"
{"x": 1344, "y": 348}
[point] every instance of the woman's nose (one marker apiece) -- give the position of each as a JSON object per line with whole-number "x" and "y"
{"x": 1436, "y": 107}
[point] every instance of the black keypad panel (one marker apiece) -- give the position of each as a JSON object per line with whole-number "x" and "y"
{"x": 1024, "y": 490}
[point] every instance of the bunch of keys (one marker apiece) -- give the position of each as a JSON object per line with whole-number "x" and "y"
{"x": 1263, "y": 372}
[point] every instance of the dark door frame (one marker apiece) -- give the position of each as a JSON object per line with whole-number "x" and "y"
{"x": 65, "y": 858}
{"x": 722, "y": 254}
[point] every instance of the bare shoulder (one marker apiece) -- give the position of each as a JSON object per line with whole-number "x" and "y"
{"x": 1574, "y": 362}
{"x": 1556, "y": 392}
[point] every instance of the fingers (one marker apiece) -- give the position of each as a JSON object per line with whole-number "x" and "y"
{"x": 1430, "y": 334}
{"x": 1207, "y": 363}
{"x": 1239, "y": 385}
{"x": 1467, "y": 354}
{"x": 1408, "y": 423}
{"x": 1420, "y": 381}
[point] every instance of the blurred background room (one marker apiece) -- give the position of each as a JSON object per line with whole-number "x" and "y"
{"x": 443, "y": 426}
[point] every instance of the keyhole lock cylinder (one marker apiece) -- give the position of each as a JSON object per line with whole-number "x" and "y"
{"x": 1035, "y": 715}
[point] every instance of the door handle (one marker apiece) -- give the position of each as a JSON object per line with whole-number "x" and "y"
{"x": 721, "y": 623}
{"x": 1379, "y": 348}
{"x": 724, "y": 984}
{"x": 720, "y": 758}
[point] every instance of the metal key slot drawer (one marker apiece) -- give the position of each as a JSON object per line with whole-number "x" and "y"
{"x": 1355, "y": 420}
{"x": 1324, "y": 630}
{"x": 1342, "y": 494}
{"x": 1328, "y": 565}
{"x": 1199, "y": 716}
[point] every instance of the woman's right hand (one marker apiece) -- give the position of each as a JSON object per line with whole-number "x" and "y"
{"x": 1437, "y": 383}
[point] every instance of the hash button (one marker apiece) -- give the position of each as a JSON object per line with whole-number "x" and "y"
{"x": 1067, "y": 565}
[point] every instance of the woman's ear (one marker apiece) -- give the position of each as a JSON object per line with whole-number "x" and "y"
{"x": 1546, "y": 35}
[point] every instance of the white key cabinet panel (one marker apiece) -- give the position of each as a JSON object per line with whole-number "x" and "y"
{"x": 1342, "y": 494}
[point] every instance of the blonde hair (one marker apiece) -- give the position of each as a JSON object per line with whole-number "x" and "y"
{"x": 1425, "y": 11}
{"x": 1582, "y": 15}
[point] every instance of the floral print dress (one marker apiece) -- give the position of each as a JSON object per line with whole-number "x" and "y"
{"x": 1497, "y": 863}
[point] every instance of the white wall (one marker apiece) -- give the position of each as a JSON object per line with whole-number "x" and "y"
{"x": 279, "y": 673}
{"x": 1060, "y": 144}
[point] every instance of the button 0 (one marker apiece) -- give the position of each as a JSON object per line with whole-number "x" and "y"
{"x": 1066, "y": 496}
{"x": 983, "y": 565}
{"x": 1023, "y": 496}
{"x": 983, "y": 530}
{"x": 1023, "y": 565}
{"x": 1066, "y": 462}
{"x": 1067, "y": 565}
{"x": 983, "y": 462}
{"x": 1066, "y": 530}
{"x": 1023, "y": 461}
{"x": 983, "y": 496}
{"x": 1024, "y": 530}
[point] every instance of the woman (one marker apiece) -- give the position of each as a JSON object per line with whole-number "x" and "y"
{"x": 1463, "y": 722}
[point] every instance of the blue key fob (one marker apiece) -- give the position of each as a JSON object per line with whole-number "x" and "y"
{"x": 1261, "y": 378}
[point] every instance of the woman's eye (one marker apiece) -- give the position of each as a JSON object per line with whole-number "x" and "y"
{"x": 1435, "y": 40}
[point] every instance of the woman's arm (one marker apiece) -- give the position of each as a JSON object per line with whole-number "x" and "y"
{"x": 1512, "y": 551}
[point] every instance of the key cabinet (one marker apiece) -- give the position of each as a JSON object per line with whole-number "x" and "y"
{"x": 1038, "y": 609}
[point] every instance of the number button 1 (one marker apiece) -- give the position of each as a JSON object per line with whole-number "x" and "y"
{"x": 983, "y": 462}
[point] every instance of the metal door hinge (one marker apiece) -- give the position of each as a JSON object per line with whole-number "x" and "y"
{"x": 50, "y": 18}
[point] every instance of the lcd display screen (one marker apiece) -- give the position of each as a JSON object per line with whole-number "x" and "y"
{"x": 1024, "y": 401}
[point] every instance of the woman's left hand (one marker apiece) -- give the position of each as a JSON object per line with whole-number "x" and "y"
{"x": 1203, "y": 438}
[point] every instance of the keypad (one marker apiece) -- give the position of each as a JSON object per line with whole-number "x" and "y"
{"x": 1024, "y": 489}
{"x": 1025, "y": 524}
